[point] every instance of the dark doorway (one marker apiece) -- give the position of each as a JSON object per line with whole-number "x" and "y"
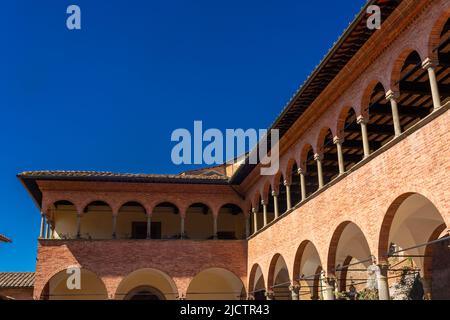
{"x": 139, "y": 230}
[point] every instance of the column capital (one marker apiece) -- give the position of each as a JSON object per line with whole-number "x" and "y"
{"x": 295, "y": 288}
{"x": 361, "y": 119}
{"x": 318, "y": 157}
{"x": 392, "y": 95}
{"x": 274, "y": 193}
{"x": 286, "y": 183}
{"x": 301, "y": 171}
{"x": 254, "y": 210}
{"x": 263, "y": 202}
{"x": 338, "y": 140}
{"x": 429, "y": 63}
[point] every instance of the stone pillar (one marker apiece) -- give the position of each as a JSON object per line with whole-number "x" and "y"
{"x": 275, "y": 204}
{"x": 247, "y": 226}
{"x": 302, "y": 184}
{"x": 430, "y": 65}
{"x": 41, "y": 231}
{"x": 149, "y": 226}
{"x": 47, "y": 230}
{"x": 215, "y": 227}
{"x": 264, "y": 205}
{"x": 392, "y": 97}
{"x": 182, "y": 227}
{"x": 338, "y": 142}
{"x": 426, "y": 284}
{"x": 295, "y": 291}
{"x": 114, "y": 226}
{"x": 318, "y": 158}
{"x": 363, "y": 123}
{"x": 255, "y": 220}
{"x": 78, "y": 226}
{"x": 382, "y": 283}
{"x": 288, "y": 195}
{"x": 327, "y": 287}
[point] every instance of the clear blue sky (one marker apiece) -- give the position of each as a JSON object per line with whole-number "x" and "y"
{"x": 108, "y": 97}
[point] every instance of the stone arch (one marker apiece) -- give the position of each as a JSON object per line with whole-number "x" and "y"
{"x": 278, "y": 279}
{"x": 341, "y": 120}
{"x": 149, "y": 278}
{"x": 199, "y": 222}
{"x": 216, "y": 284}
{"x": 91, "y": 286}
{"x": 435, "y": 34}
{"x": 398, "y": 65}
{"x": 347, "y": 240}
{"x": 231, "y": 222}
{"x": 256, "y": 284}
{"x": 165, "y": 221}
{"x": 306, "y": 270}
{"x": 97, "y": 220}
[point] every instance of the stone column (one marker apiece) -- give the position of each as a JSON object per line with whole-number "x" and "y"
{"x": 264, "y": 205}
{"x": 41, "y": 231}
{"x": 247, "y": 226}
{"x": 318, "y": 158}
{"x": 288, "y": 195}
{"x": 338, "y": 142}
{"x": 215, "y": 227}
{"x": 382, "y": 283}
{"x": 149, "y": 226}
{"x": 78, "y": 226}
{"x": 327, "y": 287}
{"x": 295, "y": 291}
{"x": 302, "y": 184}
{"x": 430, "y": 65}
{"x": 114, "y": 226}
{"x": 182, "y": 227}
{"x": 255, "y": 220}
{"x": 275, "y": 204}
{"x": 392, "y": 97}
{"x": 363, "y": 123}
{"x": 47, "y": 230}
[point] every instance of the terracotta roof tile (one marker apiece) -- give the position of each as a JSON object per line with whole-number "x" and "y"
{"x": 16, "y": 279}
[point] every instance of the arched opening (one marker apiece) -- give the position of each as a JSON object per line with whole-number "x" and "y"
{"x": 145, "y": 293}
{"x": 147, "y": 284}
{"x": 330, "y": 165}
{"x": 380, "y": 127}
{"x": 270, "y": 205}
{"x": 166, "y": 221}
{"x": 259, "y": 215}
{"x": 279, "y": 280}
{"x": 311, "y": 177}
{"x": 257, "y": 286}
{"x": 199, "y": 222}
{"x": 97, "y": 221}
{"x": 349, "y": 258}
{"x": 415, "y": 101}
{"x": 443, "y": 69}
{"x": 216, "y": 284}
{"x": 411, "y": 223}
{"x": 307, "y": 268}
{"x": 62, "y": 286}
{"x": 282, "y": 196}
{"x": 352, "y": 145}
{"x": 230, "y": 223}
{"x": 296, "y": 195}
{"x": 131, "y": 221}
{"x": 64, "y": 215}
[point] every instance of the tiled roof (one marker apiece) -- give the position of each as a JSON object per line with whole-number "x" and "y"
{"x": 4, "y": 238}
{"x": 104, "y": 175}
{"x": 16, "y": 279}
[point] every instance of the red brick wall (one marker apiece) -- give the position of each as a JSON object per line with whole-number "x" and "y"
{"x": 112, "y": 260}
{"x": 419, "y": 163}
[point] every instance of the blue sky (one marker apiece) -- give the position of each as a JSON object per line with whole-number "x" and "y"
{"x": 108, "y": 97}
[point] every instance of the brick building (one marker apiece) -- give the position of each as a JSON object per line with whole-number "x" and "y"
{"x": 362, "y": 195}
